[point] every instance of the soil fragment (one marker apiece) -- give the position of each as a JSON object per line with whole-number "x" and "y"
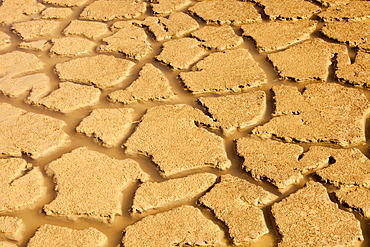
{"x": 18, "y": 134}
{"x": 163, "y": 7}
{"x": 129, "y": 40}
{"x": 308, "y": 61}
{"x": 322, "y": 113}
{"x": 71, "y": 46}
{"x": 56, "y": 13}
{"x": 170, "y": 136}
{"x": 272, "y": 36}
{"x": 56, "y": 236}
{"x": 34, "y": 29}
{"x": 236, "y": 112}
{"x": 68, "y": 3}
{"x": 100, "y": 70}
{"x": 7, "y": 244}
{"x": 90, "y": 184}
{"x": 17, "y": 10}
{"x": 231, "y": 70}
{"x": 175, "y": 26}
{"x": 234, "y": 201}
{"x": 5, "y": 41}
{"x": 11, "y": 228}
{"x": 185, "y": 225}
{"x": 309, "y": 218}
{"x": 356, "y": 198}
{"x": 69, "y": 97}
{"x": 153, "y": 195}
{"x": 217, "y": 38}
{"x": 226, "y": 12}
{"x": 107, "y": 10}
{"x": 151, "y": 85}
{"x": 88, "y": 29}
{"x": 39, "y": 45}
{"x": 353, "y": 11}
{"x": 107, "y": 126}
{"x": 181, "y": 53}
{"x": 22, "y": 186}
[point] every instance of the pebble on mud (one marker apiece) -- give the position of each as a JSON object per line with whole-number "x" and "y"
{"x": 129, "y": 40}
{"x": 356, "y": 198}
{"x": 234, "y": 201}
{"x": 35, "y": 29}
{"x": 353, "y": 11}
{"x": 170, "y": 135}
{"x": 172, "y": 192}
{"x": 90, "y": 184}
{"x": 107, "y": 126}
{"x": 308, "y": 61}
{"x": 231, "y": 70}
{"x": 163, "y": 7}
{"x": 39, "y": 45}
{"x": 5, "y": 41}
{"x": 101, "y": 70}
{"x": 56, "y": 13}
{"x": 22, "y": 186}
{"x": 226, "y": 12}
{"x": 68, "y": 3}
{"x": 185, "y": 225}
{"x": 217, "y": 38}
{"x": 56, "y": 236}
{"x": 181, "y": 53}
{"x": 88, "y": 29}
{"x": 293, "y": 10}
{"x": 71, "y": 46}
{"x": 152, "y": 85}
{"x": 322, "y": 113}
{"x": 11, "y": 228}
{"x": 175, "y": 26}
{"x": 356, "y": 74}
{"x": 18, "y": 10}
{"x": 69, "y": 97}
{"x": 236, "y": 112}
{"x": 309, "y": 218}
{"x": 102, "y": 10}
{"x": 272, "y": 36}
{"x": 276, "y": 162}
{"x": 18, "y": 135}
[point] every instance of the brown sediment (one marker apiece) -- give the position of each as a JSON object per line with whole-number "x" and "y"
{"x": 5, "y": 41}
{"x": 11, "y": 228}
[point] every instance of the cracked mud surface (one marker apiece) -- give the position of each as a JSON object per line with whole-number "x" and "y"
{"x": 184, "y": 123}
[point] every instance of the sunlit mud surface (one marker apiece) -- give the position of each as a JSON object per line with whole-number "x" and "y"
{"x": 184, "y": 123}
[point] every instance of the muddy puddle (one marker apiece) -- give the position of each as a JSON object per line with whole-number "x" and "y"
{"x": 266, "y": 119}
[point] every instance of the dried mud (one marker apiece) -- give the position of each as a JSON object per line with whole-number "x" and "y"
{"x": 184, "y": 123}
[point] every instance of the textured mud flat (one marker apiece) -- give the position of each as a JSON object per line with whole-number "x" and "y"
{"x": 184, "y": 123}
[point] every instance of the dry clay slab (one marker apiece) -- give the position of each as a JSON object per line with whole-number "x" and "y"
{"x": 38, "y": 45}
{"x": 175, "y": 26}
{"x": 163, "y": 7}
{"x": 152, "y": 85}
{"x": 18, "y": 134}
{"x": 322, "y": 113}
{"x": 183, "y": 226}
{"x": 22, "y": 186}
{"x": 309, "y": 218}
{"x": 231, "y": 70}
{"x": 172, "y": 192}
{"x": 236, "y": 112}
{"x": 234, "y": 201}
{"x": 272, "y": 36}
{"x": 170, "y": 135}
{"x": 56, "y": 236}
{"x": 353, "y": 11}
{"x": 11, "y": 228}
{"x": 17, "y": 10}
{"x": 68, "y": 3}
{"x": 90, "y": 185}
{"x": 356, "y": 198}
{"x": 100, "y": 70}
{"x": 88, "y": 29}
{"x": 107, "y": 126}
{"x": 308, "y": 61}
{"x": 71, "y": 46}
{"x": 56, "y": 13}
{"x": 226, "y": 12}
{"x": 34, "y": 29}
{"x": 5, "y": 41}
{"x": 129, "y": 40}
{"x": 103, "y": 10}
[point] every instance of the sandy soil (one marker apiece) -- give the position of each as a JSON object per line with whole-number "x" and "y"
{"x": 184, "y": 123}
